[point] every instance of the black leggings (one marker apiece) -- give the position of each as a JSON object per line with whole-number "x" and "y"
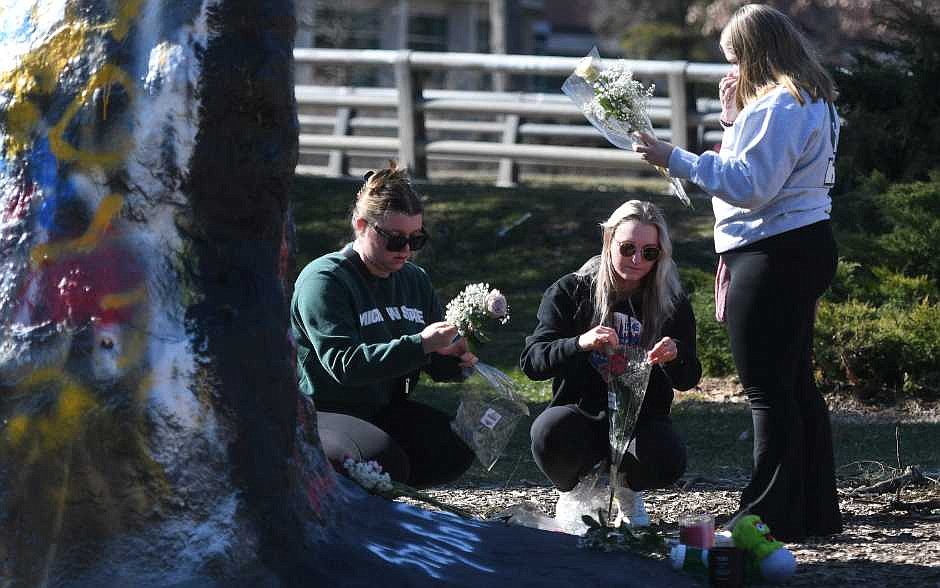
{"x": 412, "y": 441}
{"x": 775, "y": 284}
{"x": 567, "y": 443}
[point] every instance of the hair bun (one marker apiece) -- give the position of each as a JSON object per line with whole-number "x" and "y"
{"x": 368, "y": 175}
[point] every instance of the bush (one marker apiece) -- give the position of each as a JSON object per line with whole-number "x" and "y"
{"x": 879, "y": 352}
{"x": 714, "y": 348}
{"x": 879, "y": 285}
{"x": 888, "y": 100}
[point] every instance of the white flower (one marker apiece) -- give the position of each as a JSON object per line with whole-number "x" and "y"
{"x": 496, "y": 305}
{"x": 369, "y": 474}
{"x": 471, "y": 309}
{"x": 586, "y": 69}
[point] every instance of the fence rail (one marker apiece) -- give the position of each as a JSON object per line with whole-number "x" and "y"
{"x": 415, "y": 108}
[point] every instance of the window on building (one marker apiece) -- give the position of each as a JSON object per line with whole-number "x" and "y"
{"x": 427, "y": 33}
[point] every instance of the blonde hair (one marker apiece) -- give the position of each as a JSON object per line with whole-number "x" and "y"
{"x": 385, "y": 191}
{"x": 771, "y": 51}
{"x": 661, "y": 287}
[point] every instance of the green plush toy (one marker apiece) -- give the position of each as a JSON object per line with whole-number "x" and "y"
{"x": 765, "y": 557}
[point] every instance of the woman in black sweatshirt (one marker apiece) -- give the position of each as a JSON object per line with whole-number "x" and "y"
{"x": 628, "y": 295}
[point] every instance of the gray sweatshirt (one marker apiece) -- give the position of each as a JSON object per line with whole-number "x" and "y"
{"x": 774, "y": 170}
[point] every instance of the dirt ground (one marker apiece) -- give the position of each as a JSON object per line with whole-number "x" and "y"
{"x": 890, "y": 538}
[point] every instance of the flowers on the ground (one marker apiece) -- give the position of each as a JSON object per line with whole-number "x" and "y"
{"x": 370, "y": 476}
{"x": 616, "y": 104}
{"x": 474, "y": 309}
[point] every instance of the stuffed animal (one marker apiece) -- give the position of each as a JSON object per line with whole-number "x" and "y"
{"x": 765, "y": 557}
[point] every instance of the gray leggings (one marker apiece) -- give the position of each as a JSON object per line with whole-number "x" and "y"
{"x": 567, "y": 443}
{"x": 412, "y": 441}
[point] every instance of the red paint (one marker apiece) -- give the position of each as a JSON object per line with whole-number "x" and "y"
{"x": 75, "y": 289}
{"x": 18, "y": 205}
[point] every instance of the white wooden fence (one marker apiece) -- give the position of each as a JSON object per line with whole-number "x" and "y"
{"x": 520, "y": 115}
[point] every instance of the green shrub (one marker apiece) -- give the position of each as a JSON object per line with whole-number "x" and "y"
{"x": 714, "y": 348}
{"x": 888, "y": 100}
{"x": 879, "y": 285}
{"x": 912, "y": 211}
{"x": 879, "y": 351}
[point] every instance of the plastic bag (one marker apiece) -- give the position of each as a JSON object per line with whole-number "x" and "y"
{"x": 590, "y": 497}
{"x": 488, "y": 413}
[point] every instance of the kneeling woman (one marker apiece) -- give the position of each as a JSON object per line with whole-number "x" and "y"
{"x": 366, "y": 322}
{"x": 628, "y": 295}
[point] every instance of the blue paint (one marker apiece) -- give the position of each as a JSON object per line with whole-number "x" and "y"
{"x": 16, "y": 25}
{"x": 42, "y": 164}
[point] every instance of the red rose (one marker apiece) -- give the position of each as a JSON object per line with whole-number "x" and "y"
{"x": 618, "y": 365}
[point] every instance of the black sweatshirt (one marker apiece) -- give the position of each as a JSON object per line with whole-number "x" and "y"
{"x": 552, "y": 350}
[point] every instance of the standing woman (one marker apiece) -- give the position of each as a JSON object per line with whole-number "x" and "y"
{"x": 366, "y": 322}
{"x": 628, "y": 295}
{"x": 770, "y": 186}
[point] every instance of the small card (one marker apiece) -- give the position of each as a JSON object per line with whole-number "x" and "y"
{"x": 490, "y": 418}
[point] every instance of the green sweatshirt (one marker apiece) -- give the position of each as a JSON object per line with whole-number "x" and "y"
{"x": 358, "y": 336}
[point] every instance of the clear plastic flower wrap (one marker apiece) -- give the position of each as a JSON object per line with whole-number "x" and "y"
{"x": 615, "y": 104}
{"x": 488, "y": 413}
{"x": 629, "y": 376}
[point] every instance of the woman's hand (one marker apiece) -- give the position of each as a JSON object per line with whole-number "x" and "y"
{"x": 652, "y": 150}
{"x": 664, "y": 351}
{"x": 598, "y": 339}
{"x": 440, "y": 336}
{"x": 461, "y": 350}
{"x": 727, "y": 92}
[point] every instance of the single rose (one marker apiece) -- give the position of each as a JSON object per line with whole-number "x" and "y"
{"x": 496, "y": 305}
{"x": 618, "y": 364}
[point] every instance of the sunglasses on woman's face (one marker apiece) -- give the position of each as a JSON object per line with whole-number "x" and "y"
{"x": 648, "y": 253}
{"x": 396, "y": 242}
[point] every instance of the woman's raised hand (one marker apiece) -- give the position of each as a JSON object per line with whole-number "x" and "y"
{"x": 598, "y": 339}
{"x": 727, "y": 92}
{"x": 664, "y": 351}
{"x": 437, "y": 336}
{"x": 651, "y": 149}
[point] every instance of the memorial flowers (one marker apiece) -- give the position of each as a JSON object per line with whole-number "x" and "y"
{"x": 615, "y": 104}
{"x": 476, "y": 308}
{"x": 370, "y": 476}
{"x": 625, "y": 393}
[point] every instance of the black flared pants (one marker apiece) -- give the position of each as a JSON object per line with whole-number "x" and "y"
{"x": 775, "y": 285}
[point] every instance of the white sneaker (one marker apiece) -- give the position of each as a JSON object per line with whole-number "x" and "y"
{"x": 632, "y": 508}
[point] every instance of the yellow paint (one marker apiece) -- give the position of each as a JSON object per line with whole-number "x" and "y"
{"x": 123, "y": 299}
{"x": 16, "y": 429}
{"x": 127, "y": 11}
{"x": 134, "y": 346}
{"x": 104, "y": 78}
{"x": 36, "y": 75}
{"x": 107, "y": 210}
{"x": 63, "y": 423}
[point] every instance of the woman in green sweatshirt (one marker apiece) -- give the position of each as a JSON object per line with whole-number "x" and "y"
{"x": 366, "y": 322}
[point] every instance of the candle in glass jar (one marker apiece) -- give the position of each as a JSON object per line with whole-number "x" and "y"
{"x": 697, "y": 530}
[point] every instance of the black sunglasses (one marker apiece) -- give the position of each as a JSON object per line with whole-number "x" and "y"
{"x": 395, "y": 242}
{"x": 648, "y": 253}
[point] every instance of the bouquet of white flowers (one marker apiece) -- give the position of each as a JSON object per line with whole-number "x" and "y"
{"x": 616, "y": 104}
{"x": 370, "y": 476}
{"x": 473, "y": 309}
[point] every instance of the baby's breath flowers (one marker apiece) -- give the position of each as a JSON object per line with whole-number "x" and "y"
{"x": 370, "y": 476}
{"x": 616, "y": 104}
{"x": 473, "y": 309}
